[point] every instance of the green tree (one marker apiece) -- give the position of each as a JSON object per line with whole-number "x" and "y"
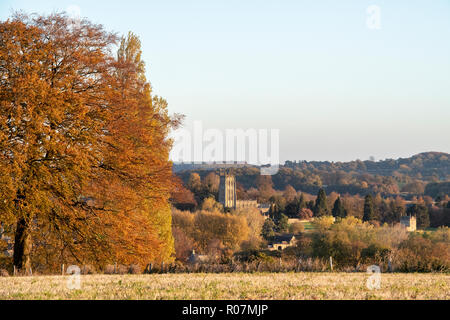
{"x": 338, "y": 209}
{"x": 301, "y": 202}
{"x": 394, "y": 212}
{"x": 369, "y": 211}
{"x": 320, "y": 207}
{"x": 282, "y": 224}
{"x": 268, "y": 229}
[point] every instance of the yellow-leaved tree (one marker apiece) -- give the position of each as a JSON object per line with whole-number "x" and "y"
{"x": 85, "y": 175}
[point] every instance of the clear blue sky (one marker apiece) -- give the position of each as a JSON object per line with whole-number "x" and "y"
{"x": 336, "y": 89}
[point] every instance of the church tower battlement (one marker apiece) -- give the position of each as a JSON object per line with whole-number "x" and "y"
{"x": 227, "y": 191}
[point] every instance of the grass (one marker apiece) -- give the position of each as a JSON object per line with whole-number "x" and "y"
{"x": 298, "y": 286}
{"x": 309, "y": 226}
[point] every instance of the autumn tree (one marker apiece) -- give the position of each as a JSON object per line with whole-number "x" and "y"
{"x": 83, "y": 146}
{"x": 229, "y": 229}
{"x": 181, "y": 197}
{"x": 255, "y": 222}
{"x": 265, "y": 187}
{"x": 211, "y": 184}
{"x": 195, "y": 182}
{"x": 305, "y": 214}
{"x": 210, "y": 204}
{"x": 289, "y": 193}
{"x": 268, "y": 229}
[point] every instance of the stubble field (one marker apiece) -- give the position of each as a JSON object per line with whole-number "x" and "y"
{"x": 296, "y": 286}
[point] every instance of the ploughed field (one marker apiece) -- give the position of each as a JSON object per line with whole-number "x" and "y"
{"x": 297, "y": 286}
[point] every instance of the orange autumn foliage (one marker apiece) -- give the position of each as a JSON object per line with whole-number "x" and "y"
{"x": 85, "y": 175}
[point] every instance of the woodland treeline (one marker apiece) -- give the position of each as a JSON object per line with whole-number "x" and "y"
{"x": 354, "y": 230}
{"x": 85, "y": 176}
{"x": 409, "y": 177}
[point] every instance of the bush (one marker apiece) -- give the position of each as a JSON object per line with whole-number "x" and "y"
{"x": 296, "y": 227}
{"x": 305, "y": 214}
{"x": 420, "y": 254}
{"x": 4, "y": 273}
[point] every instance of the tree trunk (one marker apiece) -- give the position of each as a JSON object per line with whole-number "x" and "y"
{"x": 22, "y": 246}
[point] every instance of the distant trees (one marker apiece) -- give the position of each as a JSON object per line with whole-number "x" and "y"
{"x": 296, "y": 228}
{"x": 396, "y": 209}
{"x": 181, "y": 197}
{"x": 205, "y": 227}
{"x": 320, "y": 207}
{"x": 282, "y": 224}
{"x": 369, "y": 211}
{"x": 268, "y": 229}
{"x": 210, "y": 204}
{"x": 195, "y": 182}
{"x": 420, "y": 211}
{"x": 265, "y": 188}
{"x": 440, "y": 216}
{"x": 338, "y": 209}
{"x": 289, "y": 193}
{"x": 305, "y": 214}
{"x": 415, "y": 187}
{"x": 255, "y": 222}
{"x": 437, "y": 189}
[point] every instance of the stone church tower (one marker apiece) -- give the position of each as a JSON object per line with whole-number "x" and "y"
{"x": 227, "y": 191}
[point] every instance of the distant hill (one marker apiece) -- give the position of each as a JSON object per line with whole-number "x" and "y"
{"x": 427, "y": 166}
{"x": 390, "y": 176}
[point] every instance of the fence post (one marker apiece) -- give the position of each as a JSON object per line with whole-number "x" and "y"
{"x": 162, "y": 267}
{"x": 331, "y": 263}
{"x": 14, "y": 270}
{"x": 390, "y": 265}
{"x": 62, "y": 269}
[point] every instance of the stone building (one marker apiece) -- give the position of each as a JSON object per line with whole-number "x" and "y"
{"x": 195, "y": 258}
{"x": 228, "y": 198}
{"x": 281, "y": 242}
{"x": 409, "y": 222}
{"x": 227, "y": 191}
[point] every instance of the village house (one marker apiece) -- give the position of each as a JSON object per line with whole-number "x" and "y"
{"x": 197, "y": 258}
{"x": 281, "y": 242}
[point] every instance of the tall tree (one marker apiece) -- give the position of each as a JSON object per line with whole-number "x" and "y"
{"x": 320, "y": 207}
{"x": 268, "y": 229}
{"x": 83, "y": 146}
{"x": 301, "y": 202}
{"x": 282, "y": 224}
{"x": 138, "y": 146}
{"x": 195, "y": 182}
{"x": 369, "y": 211}
{"x": 338, "y": 209}
{"x": 289, "y": 193}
